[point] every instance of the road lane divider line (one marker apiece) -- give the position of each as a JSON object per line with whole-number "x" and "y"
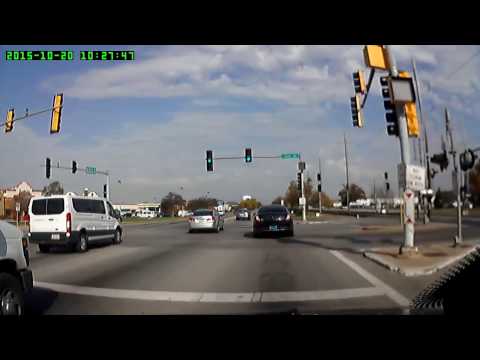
{"x": 210, "y": 297}
{"x": 393, "y": 294}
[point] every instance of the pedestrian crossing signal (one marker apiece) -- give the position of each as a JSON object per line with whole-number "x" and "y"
{"x": 9, "y": 121}
{"x": 56, "y": 114}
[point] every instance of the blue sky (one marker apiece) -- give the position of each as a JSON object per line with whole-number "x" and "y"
{"x": 150, "y": 121}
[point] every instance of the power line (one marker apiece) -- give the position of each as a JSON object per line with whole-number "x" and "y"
{"x": 463, "y": 65}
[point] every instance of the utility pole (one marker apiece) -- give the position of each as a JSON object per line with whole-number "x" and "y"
{"x": 425, "y": 199}
{"x": 408, "y": 227}
{"x": 455, "y": 176}
{"x": 346, "y": 170}
{"x": 319, "y": 185}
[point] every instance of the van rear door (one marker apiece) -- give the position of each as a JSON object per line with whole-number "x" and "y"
{"x": 48, "y": 215}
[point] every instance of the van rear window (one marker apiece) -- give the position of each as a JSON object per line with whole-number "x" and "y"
{"x": 55, "y": 206}
{"x": 82, "y": 205}
{"x": 47, "y": 206}
{"x": 39, "y": 207}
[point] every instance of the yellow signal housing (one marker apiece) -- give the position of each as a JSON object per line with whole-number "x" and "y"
{"x": 375, "y": 57}
{"x": 413, "y": 124}
{"x": 363, "y": 86}
{"x": 56, "y": 113}
{"x": 9, "y": 121}
{"x": 359, "y": 111}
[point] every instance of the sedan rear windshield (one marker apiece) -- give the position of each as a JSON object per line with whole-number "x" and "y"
{"x": 48, "y": 206}
{"x": 203, "y": 213}
{"x": 272, "y": 211}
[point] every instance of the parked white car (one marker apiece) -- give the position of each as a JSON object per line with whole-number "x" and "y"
{"x": 72, "y": 221}
{"x": 146, "y": 214}
{"x": 16, "y": 279}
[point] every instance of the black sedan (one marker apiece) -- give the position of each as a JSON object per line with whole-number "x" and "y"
{"x": 273, "y": 219}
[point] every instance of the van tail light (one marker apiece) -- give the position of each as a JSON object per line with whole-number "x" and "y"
{"x": 69, "y": 224}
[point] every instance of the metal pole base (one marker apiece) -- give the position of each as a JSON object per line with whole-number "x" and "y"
{"x": 457, "y": 241}
{"x": 408, "y": 250}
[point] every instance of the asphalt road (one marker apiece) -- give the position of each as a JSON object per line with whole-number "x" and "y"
{"x": 162, "y": 269}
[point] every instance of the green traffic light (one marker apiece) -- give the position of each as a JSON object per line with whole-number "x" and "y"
{"x": 209, "y": 160}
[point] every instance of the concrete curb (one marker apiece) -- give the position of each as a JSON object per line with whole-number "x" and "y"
{"x": 419, "y": 271}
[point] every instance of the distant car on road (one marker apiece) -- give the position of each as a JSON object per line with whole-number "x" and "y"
{"x": 205, "y": 219}
{"x": 242, "y": 214}
{"x": 273, "y": 219}
{"x": 146, "y": 214}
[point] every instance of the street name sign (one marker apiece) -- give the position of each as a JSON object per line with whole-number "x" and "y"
{"x": 91, "y": 170}
{"x": 290, "y": 156}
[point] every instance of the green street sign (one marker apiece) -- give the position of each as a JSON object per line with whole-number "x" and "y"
{"x": 91, "y": 170}
{"x": 290, "y": 156}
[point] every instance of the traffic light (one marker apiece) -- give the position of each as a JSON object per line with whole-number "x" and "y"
{"x": 359, "y": 82}
{"x": 209, "y": 160}
{"x": 319, "y": 177}
{"x": 248, "y": 155}
{"x": 9, "y": 121}
{"x": 441, "y": 160}
{"x": 105, "y": 191}
{"x": 413, "y": 126}
{"x": 467, "y": 160}
{"x": 56, "y": 114}
{"x": 47, "y": 168}
{"x": 74, "y": 167}
{"x": 387, "y": 186}
{"x": 386, "y": 175}
{"x": 391, "y": 115}
{"x": 356, "y": 111}
{"x": 299, "y": 181}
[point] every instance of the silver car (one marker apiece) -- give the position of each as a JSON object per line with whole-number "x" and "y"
{"x": 205, "y": 219}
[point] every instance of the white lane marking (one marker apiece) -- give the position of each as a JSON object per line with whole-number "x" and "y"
{"x": 320, "y": 295}
{"x": 390, "y": 292}
{"x": 257, "y": 297}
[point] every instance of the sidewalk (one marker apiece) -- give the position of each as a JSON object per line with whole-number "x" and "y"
{"x": 398, "y": 228}
{"x": 428, "y": 259}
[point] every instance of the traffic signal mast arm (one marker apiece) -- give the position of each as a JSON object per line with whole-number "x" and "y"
{"x": 78, "y": 169}
{"x": 32, "y": 114}
{"x": 370, "y": 80}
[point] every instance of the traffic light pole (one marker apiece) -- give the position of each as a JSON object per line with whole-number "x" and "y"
{"x": 456, "y": 174}
{"x": 320, "y": 183}
{"x": 408, "y": 227}
{"x": 346, "y": 170}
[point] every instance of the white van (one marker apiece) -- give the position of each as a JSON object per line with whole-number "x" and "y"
{"x": 72, "y": 221}
{"x": 16, "y": 278}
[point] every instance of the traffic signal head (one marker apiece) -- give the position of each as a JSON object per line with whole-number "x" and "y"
{"x": 359, "y": 82}
{"x": 105, "y": 191}
{"x": 413, "y": 125}
{"x": 209, "y": 160}
{"x": 357, "y": 116}
{"x": 388, "y": 186}
{"x": 56, "y": 113}
{"x": 386, "y": 176}
{"x": 299, "y": 181}
{"x": 441, "y": 160}
{"x": 74, "y": 167}
{"x": 467, "y": 160}
{"x": 390, "y": 115}
{"x": 248, "y": 155}
{"x": 47, "y": 168}
{"x": 319, "y": 188}
{"x": 319, "y": 177}
{"x": 9, "y": 121}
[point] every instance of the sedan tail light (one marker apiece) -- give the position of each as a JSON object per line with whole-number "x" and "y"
{"x": 258, "y": 219}
{"x": 288, "y": 217}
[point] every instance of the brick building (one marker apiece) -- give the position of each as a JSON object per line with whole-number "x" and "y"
{"x": 7, "y": 198}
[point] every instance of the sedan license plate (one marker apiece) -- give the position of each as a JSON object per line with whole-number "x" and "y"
{"x": 273, "y": 228}
{"x": 55, "y": 236}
